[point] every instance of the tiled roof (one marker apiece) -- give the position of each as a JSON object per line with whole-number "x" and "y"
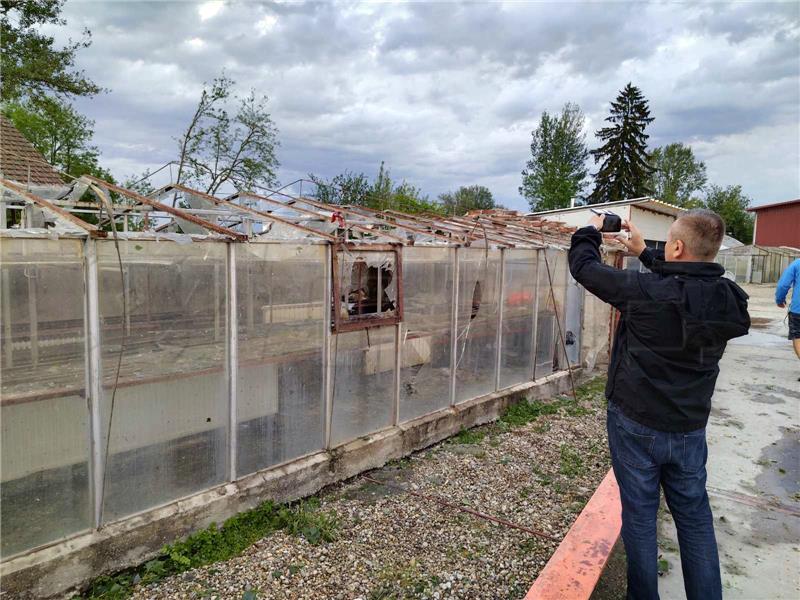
{"x": 20, "y": 161}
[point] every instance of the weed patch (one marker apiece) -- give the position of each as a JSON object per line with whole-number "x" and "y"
{"x": 220, "y": 543}
{"x": 571, "y": 462}
{"x": 469, "y": 436}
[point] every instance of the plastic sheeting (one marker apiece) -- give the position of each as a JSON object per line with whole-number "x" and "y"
{"x": 519, "y": 299}
{"x": 426, "y": 339}
{"x": 281, "y": 320}
{"x": 476, "y": 328}
{"x": 168, "y": 429}
{"x": 168, "y": 435}
{"x": 363, "y": 382}
{"x": 44, "y": 437}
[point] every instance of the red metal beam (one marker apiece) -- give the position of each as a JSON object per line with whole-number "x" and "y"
{"x": 575, "y": 568}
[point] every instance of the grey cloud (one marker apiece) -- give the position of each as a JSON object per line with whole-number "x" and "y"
{"x": 446, "y": 93}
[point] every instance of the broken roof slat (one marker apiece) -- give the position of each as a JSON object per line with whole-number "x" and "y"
{"x": 175, "y": 212}
{"x": 315, "y": 214}
{"x": 246, "y": 209}
{"x": 56, "y": 210}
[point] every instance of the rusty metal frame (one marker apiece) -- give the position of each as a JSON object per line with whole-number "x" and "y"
{"x": 315, "y": 214}
{"x": 243, "y": 209}
{"x": 340, "y": 325}
{"x": 175, "y": 212}
{"x": 57, "y": 210}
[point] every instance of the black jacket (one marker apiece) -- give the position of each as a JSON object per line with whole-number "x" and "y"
{"x": 674, "y": 325}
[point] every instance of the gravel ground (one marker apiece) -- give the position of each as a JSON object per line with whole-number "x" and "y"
{"x": 395, "y": 545}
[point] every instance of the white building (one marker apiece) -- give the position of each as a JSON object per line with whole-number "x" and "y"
{"x": 652, "y": 217}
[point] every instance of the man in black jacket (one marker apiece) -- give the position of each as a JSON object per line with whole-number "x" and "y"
{"x": 674, "y": 326}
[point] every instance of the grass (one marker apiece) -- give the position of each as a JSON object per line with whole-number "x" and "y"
{"x": 571, "y": 463}
{"x": 469, "y": 436}
{"x": 522, "y": 413}
{"x": 220, "y": 543}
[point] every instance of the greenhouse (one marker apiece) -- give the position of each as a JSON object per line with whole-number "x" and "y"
{"x": 756, "y": 264}
{"x": 158, "y": 347}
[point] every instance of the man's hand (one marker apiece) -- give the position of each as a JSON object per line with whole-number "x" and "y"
{"x": 781, "y": 304}
{"x": 596, "y": 221}
{"x": 635, "y": 243}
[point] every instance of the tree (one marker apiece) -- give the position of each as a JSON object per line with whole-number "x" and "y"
{"x": 59, "y": 133}
{"x": 345, "y": 188}
{"x": 624, "y": 170}
{"x": 30, "y": 64}
{"x": 731, "y": 204}
{"x": 474, "y": 197}
{"x": 382, "y": 194}
{"x": 677, "y": 175}
{"x": 556, "y": 172}
{"x": 218, "y": 147}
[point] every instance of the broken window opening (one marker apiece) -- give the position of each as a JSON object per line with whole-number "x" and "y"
{"x": 366, "y": 288}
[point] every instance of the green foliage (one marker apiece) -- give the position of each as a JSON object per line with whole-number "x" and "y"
{"x": 625, "y": 170}
{"x": 556, "y": 172}
{"x": 677, "y": 176}
{"x": 216, "y": 544}
{"x": 30, "y": 64}
{"x": 467, "y": 198}
{"x": 59, "y": 133}
{"x": 346, "y": 188}
{"x": 353, "y": 189}
{"x": 571, "y": 463}
{"x": 219, "y": 147}
{"x": 731, "y": 204}
{"x": 526, "y": 412}
{"x": 469, "y": 436}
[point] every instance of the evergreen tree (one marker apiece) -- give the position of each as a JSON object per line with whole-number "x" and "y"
{"x": 625, "y": 169}
{"x": 556, "y": 172}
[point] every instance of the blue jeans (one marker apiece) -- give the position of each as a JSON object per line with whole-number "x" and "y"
{"x": 645, "y": 459}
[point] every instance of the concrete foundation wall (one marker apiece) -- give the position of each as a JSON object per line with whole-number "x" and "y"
{"x": 59, "y": 569}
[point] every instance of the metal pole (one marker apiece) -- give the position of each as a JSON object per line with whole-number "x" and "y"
{"x": 398, "y": 355}
{"x": 233, "y": 360}
{"x": 535, "y": 327}
{"x": 95, "y": 389}
{"x": 327, "y": 359}
{"x": 500, "y": 311}
{"x": 454, "y": 329}
{"x": 31, "y": 274}
{"x": 5, "y": 284}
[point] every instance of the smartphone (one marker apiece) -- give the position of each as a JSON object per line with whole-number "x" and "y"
{"x": 612, "y": 223}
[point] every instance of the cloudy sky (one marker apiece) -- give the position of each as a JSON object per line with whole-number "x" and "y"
{"x": 448, "y": 93}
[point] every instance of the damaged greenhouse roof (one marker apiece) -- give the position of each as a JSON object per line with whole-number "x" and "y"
{"x": 274, "y": 216}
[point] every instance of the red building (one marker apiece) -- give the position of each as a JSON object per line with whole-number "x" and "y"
{"x": 777, "y": 224}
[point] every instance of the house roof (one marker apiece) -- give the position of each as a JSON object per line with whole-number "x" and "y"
{"x": 20, "y": 161}
{"x": 774, "y": 205}
{"x": 645, "y": 202}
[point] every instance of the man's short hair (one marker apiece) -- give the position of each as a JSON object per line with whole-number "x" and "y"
{"x": 701, "y": 230}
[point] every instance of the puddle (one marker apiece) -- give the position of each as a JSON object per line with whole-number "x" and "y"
{"x": 778, "y": 482}
{"x": 781, "y": 466}
{"x": 759, "y": 338}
